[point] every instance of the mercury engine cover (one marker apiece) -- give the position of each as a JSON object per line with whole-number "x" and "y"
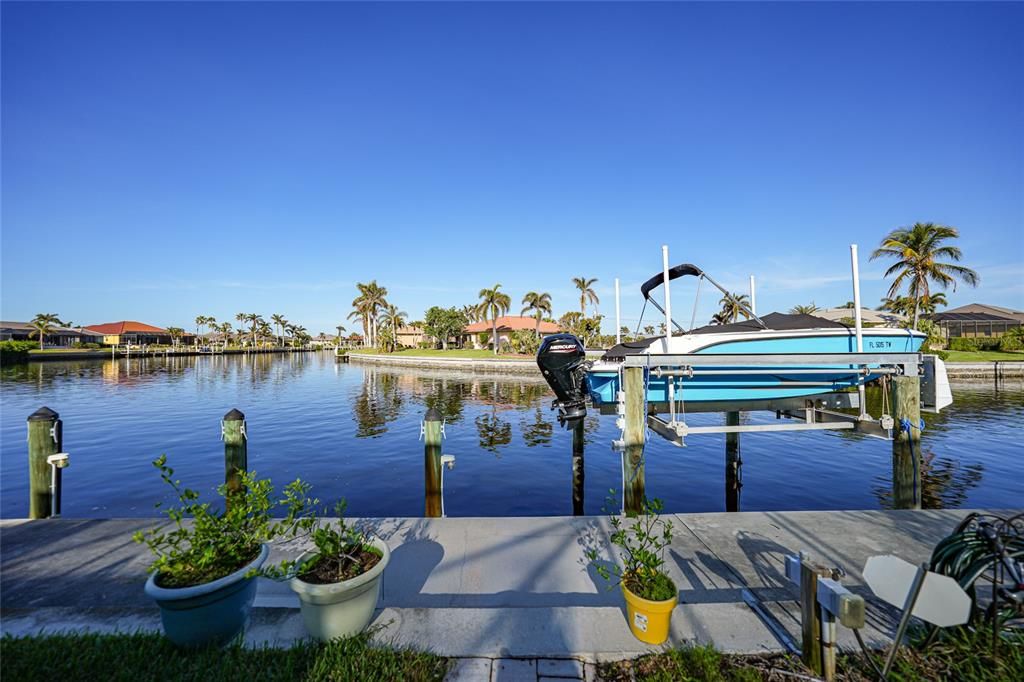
{"x": 563, "y": 362}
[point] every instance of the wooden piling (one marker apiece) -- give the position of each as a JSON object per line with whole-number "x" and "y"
{"x": 906, "y": 443}
{"x": 733, "y": 462}
{"x": 45, "y": 438}
{"x": 577, "y": 467}
{"x": 432, "y": 437}
{"x": 634, "y": 437}
{"x": 810, "y": 616}
{"x": 236, "y": 450}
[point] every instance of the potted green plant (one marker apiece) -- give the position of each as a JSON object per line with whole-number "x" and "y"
{"x": 650, "y": 594}
{"x": 203, "y": 576}
{"x": 339, "y": 581}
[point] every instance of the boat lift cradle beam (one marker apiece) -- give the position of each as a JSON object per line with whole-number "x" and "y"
{"x": 811, "y": 419}
{"x": 810, "y": 411}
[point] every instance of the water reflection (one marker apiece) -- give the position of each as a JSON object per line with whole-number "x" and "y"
{"x": 352, "y": 430}
{"x": 944, "y": 484}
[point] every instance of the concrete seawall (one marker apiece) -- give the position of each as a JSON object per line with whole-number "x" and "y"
{"x": 985, "y": 370}
{"x": 955, "y": 370}
{"x": 511, "y": 366}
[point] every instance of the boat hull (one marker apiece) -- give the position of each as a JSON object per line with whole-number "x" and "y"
{"x": 754, "y": 383}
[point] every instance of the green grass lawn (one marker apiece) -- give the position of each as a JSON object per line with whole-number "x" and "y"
{"x": 982, "y": 356}
{"x": 965, "y": 657}
{"x": 151, "y": 657}
{"x": 453, "y": 353}
{"x": 58, "y": 351}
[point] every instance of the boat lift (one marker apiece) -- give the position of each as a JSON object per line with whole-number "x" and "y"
{"x": 806, "y": 413}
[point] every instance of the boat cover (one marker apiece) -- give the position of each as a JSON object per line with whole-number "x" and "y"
{"x": 776, "y": 321}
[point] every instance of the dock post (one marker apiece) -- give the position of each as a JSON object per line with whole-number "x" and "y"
{"x": 45, "y": 438}
{"x": 577, "y": 467}
{"x": 236, "y": 450}
{"x": 634, "y": 437}
{"x": 432, "y": 435}
{"x": 810, "y": 617}
{"x": 733, "y": 463}
{"x": 906, "y": 442}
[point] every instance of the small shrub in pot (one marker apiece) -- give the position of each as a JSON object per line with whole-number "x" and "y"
{"x": 203, "y": 576}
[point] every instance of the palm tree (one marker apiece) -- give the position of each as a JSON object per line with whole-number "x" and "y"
{"x": 279, "y": 323}
{"x": 733, "y": 307}
{"x": 393, "y": 318}
{"x": 586, "y": 292}
{"x": 341, "y": 329}
{"x": 43, "y": 324}
{"x": 472, "y": 312}
{"x": 175, "y": 333}
{"x": 919, "y": 251}
{"x": 255, "y": 320}
{"x": 539, "y": 303}
{"x": 225, "y": 329}
{"x": 804, "y": 309}
{"x": 904, "y": 305}
{"x": 372, "y": 298}
{"x": 494, "y": 303}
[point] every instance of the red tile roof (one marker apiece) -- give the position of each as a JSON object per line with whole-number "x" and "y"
{"x": 125, "y": 327}
{"x": 508, "y": 323}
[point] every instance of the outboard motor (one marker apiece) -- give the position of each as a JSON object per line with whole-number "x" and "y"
{"x": 563, "y": 362}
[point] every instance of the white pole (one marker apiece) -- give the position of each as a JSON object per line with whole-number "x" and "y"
{"x": 668, "y": 296}
{"x": 856, "y": 297}
{"x": 753, "y": 296}
{"x": 857, "y": 323}
{"x": 618, "y": 315}
{"x": 668, "y": 335}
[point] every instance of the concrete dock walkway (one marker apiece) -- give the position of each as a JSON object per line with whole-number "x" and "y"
{"x": 493, "y": 587}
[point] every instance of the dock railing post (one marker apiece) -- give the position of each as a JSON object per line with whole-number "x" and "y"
{"x": 432, "y": 436}
{"x": 45, "y": 438}
{"x": 906, "y": 442}
{"x": 236, "y": 450}
{"x": 634, "y": 437}
{"x": 733, "y": 462}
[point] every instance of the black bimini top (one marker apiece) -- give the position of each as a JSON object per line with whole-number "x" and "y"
{"x": 775, "y": 321}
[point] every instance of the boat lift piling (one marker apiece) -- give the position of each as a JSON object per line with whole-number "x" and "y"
{"x": 432, "y": 432}
{"x": 578, "y": 471}
{"x": 634, "y": 435}
{"x": 733, "y": 464}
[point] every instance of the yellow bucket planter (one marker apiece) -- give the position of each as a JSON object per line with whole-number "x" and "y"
{"x": 648, "y": 620}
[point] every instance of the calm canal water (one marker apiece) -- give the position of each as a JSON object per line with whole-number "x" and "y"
{"x": 354, "y": 432}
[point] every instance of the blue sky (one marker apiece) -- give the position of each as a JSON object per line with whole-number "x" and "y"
{"x": 166, "y": 160}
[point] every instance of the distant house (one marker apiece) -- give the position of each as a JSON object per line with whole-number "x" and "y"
{"x": 62, "y": 337}
{"x": 129, "y": 332}
{"x": 880, "y": 318}
{"x": 506, "y": 325}
{"x": 410, "y": 336}
{"x": 977, "y": 320}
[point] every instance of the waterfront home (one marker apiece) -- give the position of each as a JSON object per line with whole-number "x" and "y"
{"x": 471, "y": 335}
{"x": 410, "y": 336}
{"x": 60, "y": 337}
{"x": 977, "y": 320}
{"x": 875, "y": 318}
{"x": 131, "y": 333}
